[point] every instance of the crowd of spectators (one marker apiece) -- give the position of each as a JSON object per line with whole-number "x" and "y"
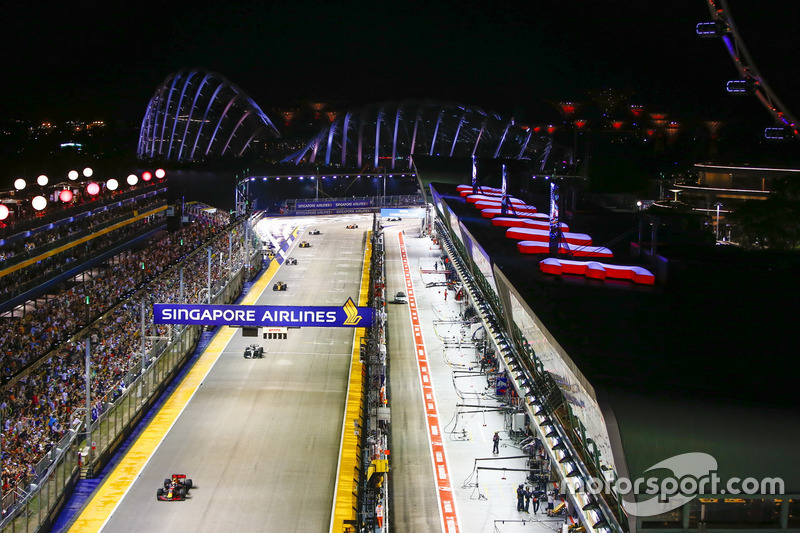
{"x": 38, "y": 407}
{"x": 16, "y": 282}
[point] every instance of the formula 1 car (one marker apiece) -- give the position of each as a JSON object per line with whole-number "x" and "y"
{"x": 175, "y": 489}
{"x": 394, "y": 219}
{"x": 279, "y": 286}
{"x": 313, "y": 232}
{"x": 291, "y": 261}
{"x": 304, "y": 244}
{"x": 254, "y": 351}
{"x": 352, "y": 226}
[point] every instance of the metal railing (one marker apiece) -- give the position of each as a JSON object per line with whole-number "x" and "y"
{"x": 35, "y": 503}
{"x": 535, "y": 386}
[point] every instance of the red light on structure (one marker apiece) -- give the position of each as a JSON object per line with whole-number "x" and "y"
{"x": 147, "y": 176}
{"x": 672, "y": 130}
{"x": 3, "y": 212}
{"x": 331, "y": 115}
{"x": 617, "y": 124}
{"x": 580, "y": 123}
{"x": 636, "y": 110}
{"x": 65, "y": 195}
{"x": 551, "y": 129}
{"x": 568, "y": 108}
{"x": 537, "y": 129}
{"x": 650, "y": 132}
{"x": 93, "y": 189}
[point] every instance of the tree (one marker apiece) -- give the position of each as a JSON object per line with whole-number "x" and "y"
{"x": 771, "y": 224}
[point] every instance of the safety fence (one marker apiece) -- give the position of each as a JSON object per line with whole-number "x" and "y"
{"x": 374, "y": 482}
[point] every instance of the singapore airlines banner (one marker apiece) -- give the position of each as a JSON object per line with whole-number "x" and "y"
{"x": 264, "y": 315}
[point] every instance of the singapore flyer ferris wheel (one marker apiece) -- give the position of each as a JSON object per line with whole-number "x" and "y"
{"x": 750, "y": 82}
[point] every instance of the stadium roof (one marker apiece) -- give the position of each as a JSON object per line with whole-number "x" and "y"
{"x": 196, "y": 114}
{"x": 388, "y": 134}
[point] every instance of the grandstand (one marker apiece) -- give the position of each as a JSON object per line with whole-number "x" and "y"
{"x": 44, "y": 338}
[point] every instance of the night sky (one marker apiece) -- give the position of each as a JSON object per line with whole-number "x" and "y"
{"x": 104, "y": 60}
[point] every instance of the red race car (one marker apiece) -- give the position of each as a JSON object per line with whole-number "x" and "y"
{"x": 175, "y": 489}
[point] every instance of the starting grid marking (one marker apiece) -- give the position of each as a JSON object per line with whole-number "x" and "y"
{"x": 444, "y": 489}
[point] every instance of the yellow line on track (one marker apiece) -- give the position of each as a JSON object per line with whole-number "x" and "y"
{"x": 345, "y": 501}
{"x": 106, "y": 499}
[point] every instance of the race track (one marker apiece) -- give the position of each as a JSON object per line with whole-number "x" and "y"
{"x": 260, "y": 438}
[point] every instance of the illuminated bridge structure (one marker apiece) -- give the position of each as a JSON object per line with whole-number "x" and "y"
{"x": 196, "y": 115}
{"x": 388, "y": 134}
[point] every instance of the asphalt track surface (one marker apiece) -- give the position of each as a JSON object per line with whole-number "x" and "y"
{"x": 260, "y": 437}
{"x": 414, "y": 503}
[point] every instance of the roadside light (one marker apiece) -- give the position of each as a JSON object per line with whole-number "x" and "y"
{"x": 65, "y": 195}
{"x": 132, "y": 179}
{"x": 39, "y": 202}
{"x": 147, "y": 176}
{"x": 87, "y": 172}
{"x": 160, "y": 173}
{"x": 3, "y": 212}
{"x": 72, "y": 175}
{"x": 112, "y": 184}
{"x": 19, "y": 184}
{"x": 42, "y": 180}
{"x": 93, "y": 189}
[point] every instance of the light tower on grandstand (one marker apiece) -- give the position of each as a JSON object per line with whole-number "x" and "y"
{"x": 89, "y": 454}
{"x": 243, "y": 195}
